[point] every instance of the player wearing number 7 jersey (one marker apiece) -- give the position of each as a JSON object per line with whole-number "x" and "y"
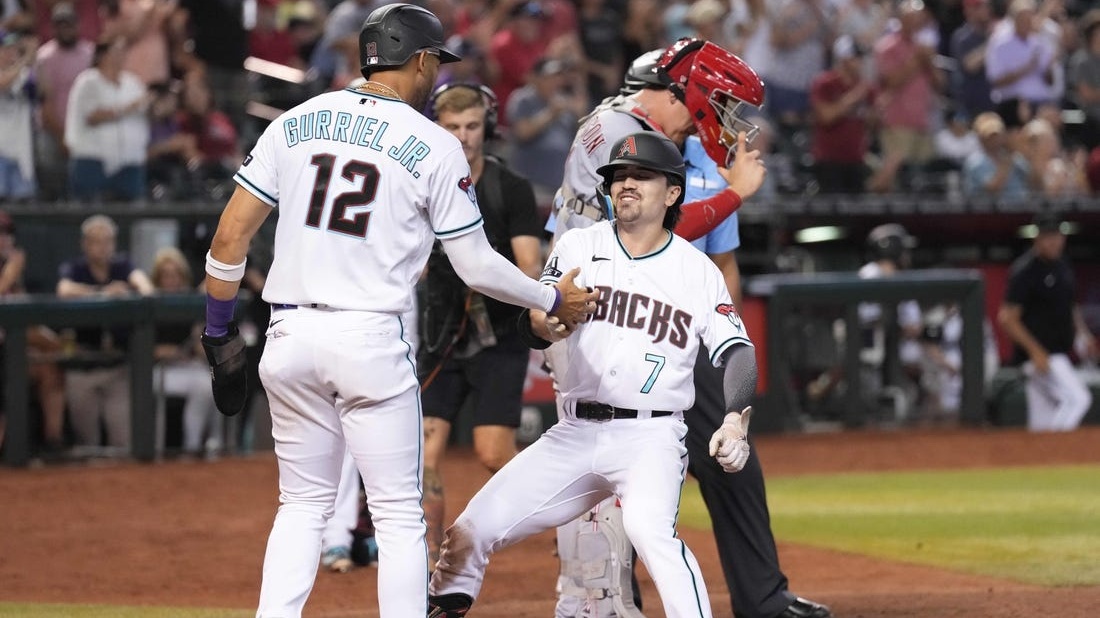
{"x": 626, "y": 381}
{"x": 363, "y": 182}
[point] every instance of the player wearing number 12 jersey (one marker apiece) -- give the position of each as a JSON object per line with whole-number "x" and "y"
{"x": 363, "y": 183}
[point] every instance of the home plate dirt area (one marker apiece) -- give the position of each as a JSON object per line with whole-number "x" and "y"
{"x": 192, "y": 533}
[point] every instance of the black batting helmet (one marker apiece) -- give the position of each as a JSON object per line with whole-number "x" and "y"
{"x": 890, "y": 241}
{"x": 394, "y": 32}
{"x": 643, "y": 74}
{"x": 653, "y": 151}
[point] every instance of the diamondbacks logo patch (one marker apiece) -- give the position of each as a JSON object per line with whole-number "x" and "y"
{"x": 628, "y": 148}
{"x": 467, "y": 184}
{"x": 731, "y": 314}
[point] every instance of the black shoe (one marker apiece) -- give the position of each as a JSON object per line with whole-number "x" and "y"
{"x": 805, "y": 608}
{"x": 454, "y": 605}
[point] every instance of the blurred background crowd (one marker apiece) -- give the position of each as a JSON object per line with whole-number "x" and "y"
{"x": 956, "y": 97}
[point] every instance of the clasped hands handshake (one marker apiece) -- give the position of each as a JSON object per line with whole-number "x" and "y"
{"x": 576, "y": 305}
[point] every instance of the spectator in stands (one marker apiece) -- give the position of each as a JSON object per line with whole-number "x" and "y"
{"x": 1084, "y": 78}
{"x": 863, "y": 20}
{"x": 841, "y": 103}
{"x": 106, "y": 129}
{"x": 56, "y": 67}
{"x": 97, "y": 383}
{"x": 268, "y": 41}
{"x": 748, "y": 30}
{"x": 704, "y": 19}
{"x": 956, "y": 140}
{"x": 143, "y": 25}
{"x": 17, "y": 54}
{"x": 43, "y": 345}
{"x": 181, "y": 369}
{"x": 544, "y": 117}
{"x": 970, "y": 87}
{"x": 472, "y": 69}
{"x": 516, "y": 49}
{"x": 642, "y": 27}
{"x": 800, "y": 36}
{"x": 170, "y": 149}
{"x": 1041, "y": 316}
{"x": 336, "y": 56}
{"x": 219, "y": 41}
{"x": 908, "y": 83}
{"x": 1019, "y": 63}
{"x": 600, "y": 31}
{"x": 996, "y": 170}
{"x": 217, "y": 155}
{"x": 89, "y": 18}
{"x": 1058, "y": 173}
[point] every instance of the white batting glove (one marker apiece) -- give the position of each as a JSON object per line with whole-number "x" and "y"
{"x": 730, "y": 445}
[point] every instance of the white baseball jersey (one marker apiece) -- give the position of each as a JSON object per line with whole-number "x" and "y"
{"x": 359, "y": 180}
{"x": 591, "y": 148}
{"x": 638, "y": 349}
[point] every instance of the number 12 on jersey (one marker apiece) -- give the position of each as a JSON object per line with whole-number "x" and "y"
{"x": 338, "y": 219}
{"x": 658, "y": 365}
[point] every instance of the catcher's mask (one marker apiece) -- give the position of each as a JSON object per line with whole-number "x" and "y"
{"x": 717, "y": 87}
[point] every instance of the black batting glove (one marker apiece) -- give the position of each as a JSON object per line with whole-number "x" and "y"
{"x": 228, "y": 370}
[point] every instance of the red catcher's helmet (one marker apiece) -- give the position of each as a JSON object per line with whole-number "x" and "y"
{"x": 716, "y": 86}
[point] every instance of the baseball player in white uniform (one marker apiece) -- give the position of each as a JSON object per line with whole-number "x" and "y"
{"x": 364, "y": 183}
{"x": 627, "y": 380}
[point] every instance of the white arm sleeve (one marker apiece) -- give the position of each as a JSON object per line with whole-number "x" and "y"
{"x": 490, "y": 273}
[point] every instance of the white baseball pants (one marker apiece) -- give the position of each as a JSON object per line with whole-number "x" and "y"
{"x": 331, "y": 375}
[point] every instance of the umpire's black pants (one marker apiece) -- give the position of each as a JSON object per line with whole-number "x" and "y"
{"x": 737, "y": 504}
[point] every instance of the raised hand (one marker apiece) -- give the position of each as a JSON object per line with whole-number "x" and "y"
{"x": 746, "y": 175}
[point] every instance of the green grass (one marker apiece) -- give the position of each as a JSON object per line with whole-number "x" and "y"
{"x": 54, "y": 610}
{"x": 1035, "y": 525}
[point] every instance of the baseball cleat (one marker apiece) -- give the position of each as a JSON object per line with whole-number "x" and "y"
{"x": 805, "y": 608}
{"x": 454, "y": 605}
{"x": 337, "y": 559}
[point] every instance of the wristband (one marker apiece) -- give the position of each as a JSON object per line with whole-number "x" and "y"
{"x": 557, "y": 301}
{"x": 528, "y": 336}
{"x": 221, "y": 270}
{"x": 218, "y": 315}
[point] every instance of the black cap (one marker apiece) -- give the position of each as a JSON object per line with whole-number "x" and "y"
{"x": 1047, "y": 222}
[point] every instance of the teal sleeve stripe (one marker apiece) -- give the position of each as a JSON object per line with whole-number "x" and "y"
{"x": 254, "y": 190}
{"x": 460, "y": 230}
{"x": 726, "y": 344}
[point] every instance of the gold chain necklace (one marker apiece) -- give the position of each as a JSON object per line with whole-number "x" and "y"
{"x": 380, "y": 88}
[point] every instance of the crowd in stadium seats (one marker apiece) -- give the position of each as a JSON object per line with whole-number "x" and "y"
{"x": 865, "y": 95}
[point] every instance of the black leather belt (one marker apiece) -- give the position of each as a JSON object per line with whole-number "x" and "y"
{"x": 592, "y": 411}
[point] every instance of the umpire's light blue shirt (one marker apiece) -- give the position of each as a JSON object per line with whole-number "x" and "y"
{"x": 703, "y": 181}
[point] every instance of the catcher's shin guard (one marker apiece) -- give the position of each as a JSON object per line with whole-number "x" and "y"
{"x": 595, "y": 557}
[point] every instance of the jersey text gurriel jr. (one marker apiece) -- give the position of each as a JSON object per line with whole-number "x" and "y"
{"x": 632, "y": 310}
{"x": 357, "y": 130}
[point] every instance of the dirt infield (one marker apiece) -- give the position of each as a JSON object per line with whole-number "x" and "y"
{"x": 193, "y": 534}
